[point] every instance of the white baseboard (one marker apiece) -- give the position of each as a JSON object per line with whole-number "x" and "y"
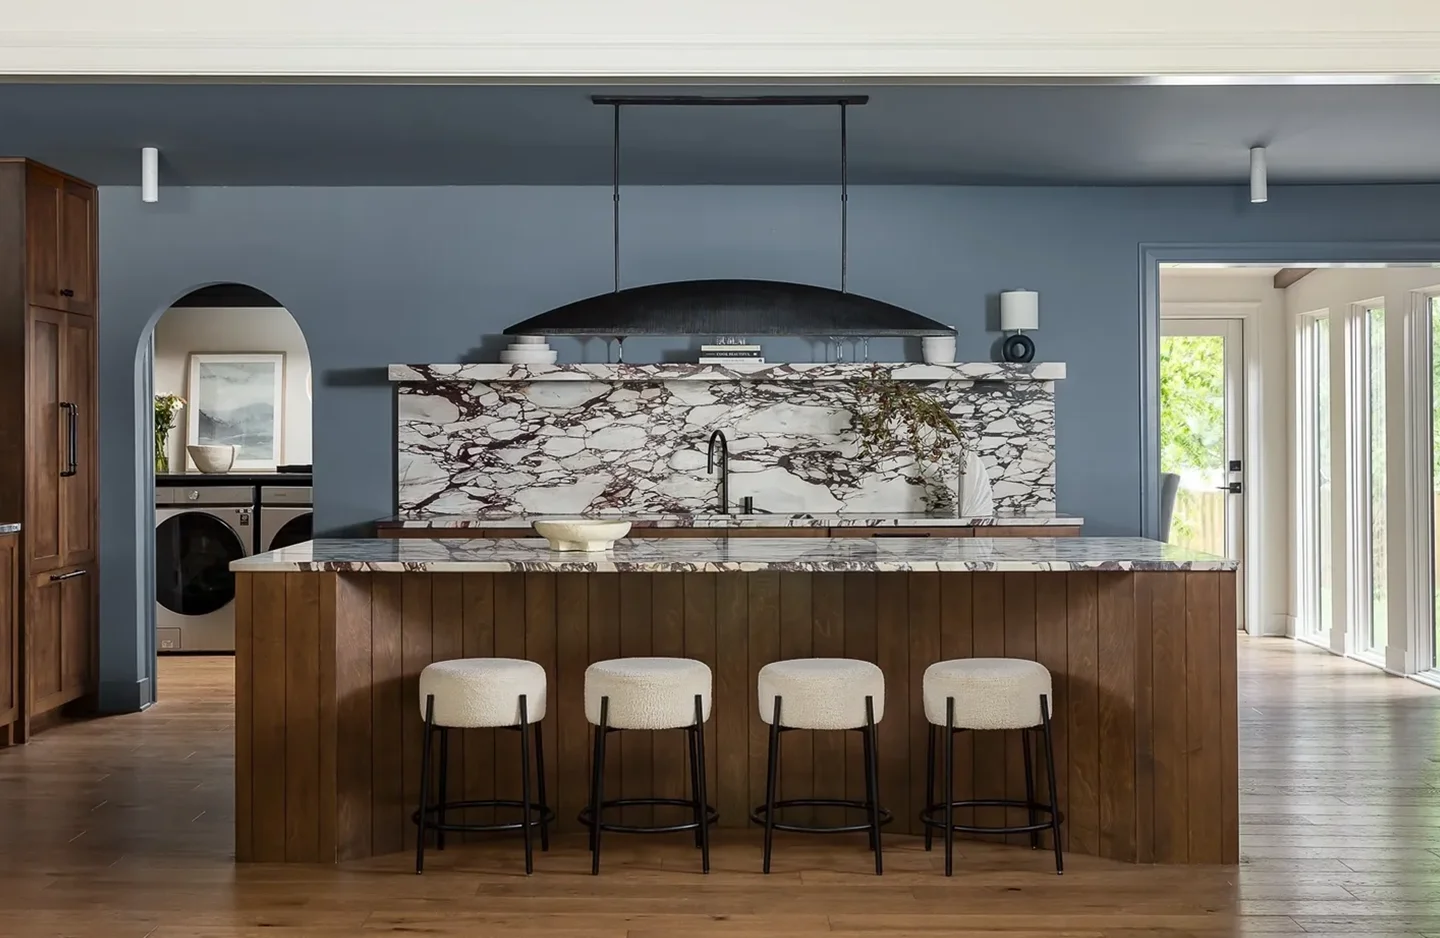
{"x": 1280, "y": 626}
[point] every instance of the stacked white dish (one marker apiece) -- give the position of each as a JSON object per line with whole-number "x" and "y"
{"x": 529, "y": 350}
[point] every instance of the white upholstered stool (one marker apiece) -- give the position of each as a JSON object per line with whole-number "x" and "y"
{"x": 649, "y": 694}
{"x": 482, "y": 693}
{"x": 988, "y": 694}
{"x": 822, "y": 694}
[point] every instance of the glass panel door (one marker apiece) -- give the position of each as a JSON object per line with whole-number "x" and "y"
{"x": 1315, "y": 473}
{"x": 1373, "y": 633}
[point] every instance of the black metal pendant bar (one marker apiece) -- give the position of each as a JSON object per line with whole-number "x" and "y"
{"x": 700, "y": 100}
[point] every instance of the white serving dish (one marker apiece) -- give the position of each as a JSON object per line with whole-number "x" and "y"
{"x": 210, "y": 457}
{"x": 589, "y": 536}
{"x": 524, "y": 356}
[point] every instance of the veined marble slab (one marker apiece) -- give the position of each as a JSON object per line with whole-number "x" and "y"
{"x": 711, "y": 520}
{"x": 739, "y": 555}
{"x": 739, "y": 371}
{"x": 577, "y": 439}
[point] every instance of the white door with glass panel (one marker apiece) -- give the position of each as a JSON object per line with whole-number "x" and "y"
{"x": 1202, "y": 433}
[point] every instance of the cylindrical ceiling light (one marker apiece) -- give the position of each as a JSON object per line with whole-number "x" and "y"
{"x": 149, "y": 174}
{"x": 1259, "y": 180}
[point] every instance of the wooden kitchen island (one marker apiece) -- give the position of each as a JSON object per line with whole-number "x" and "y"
{"x": 331, "y": 637}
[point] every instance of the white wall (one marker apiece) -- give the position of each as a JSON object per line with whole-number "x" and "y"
{"x": 181, "y": 331}
{"x": 1252, "y": 297}
{"x": 811, "y": 38}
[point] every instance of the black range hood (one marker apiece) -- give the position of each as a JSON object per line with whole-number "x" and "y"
{"x": 731, "y": 307}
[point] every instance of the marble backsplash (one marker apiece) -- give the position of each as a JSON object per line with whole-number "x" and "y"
{"x": 563, "y": 439}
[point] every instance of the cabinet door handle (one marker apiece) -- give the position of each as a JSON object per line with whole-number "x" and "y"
{"x": 72, "y": 439}
{"x": 67, "y": 292}
{"x": 57, "y": 577}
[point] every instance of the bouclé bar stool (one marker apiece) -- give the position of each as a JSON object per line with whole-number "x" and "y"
{"x": 988, "y": 694}
{"x": 822, "y": 694}
{"x": 638, "y": 694}
{"x": 482, "y": 693}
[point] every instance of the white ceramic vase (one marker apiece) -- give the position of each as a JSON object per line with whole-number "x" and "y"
{"x": 938, "y": 349}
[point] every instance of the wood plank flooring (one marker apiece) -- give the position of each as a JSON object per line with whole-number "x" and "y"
{"x": 123, "y": 828}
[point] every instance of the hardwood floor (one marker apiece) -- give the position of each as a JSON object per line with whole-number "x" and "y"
{"x": 123, "y": 828}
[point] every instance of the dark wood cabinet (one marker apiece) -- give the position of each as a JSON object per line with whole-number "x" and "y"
{"x": 10, "y": 693}
{"x": 48, "y": 458}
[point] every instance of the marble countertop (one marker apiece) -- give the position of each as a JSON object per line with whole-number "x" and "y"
{"x": 743, "y": 555}
{"x": 12, "y": 527}
{"x": 918, "y": 519}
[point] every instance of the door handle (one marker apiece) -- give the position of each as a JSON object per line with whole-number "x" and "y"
{"x": 72, "y": 439}
{"x": 57, "y": 577}
{"x": 67, "y": 293}
{"x": 1234, "y": 488}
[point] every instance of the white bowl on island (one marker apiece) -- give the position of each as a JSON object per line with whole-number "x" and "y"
{"x": 211, "y": 458}
{"x": 590, "y": 536}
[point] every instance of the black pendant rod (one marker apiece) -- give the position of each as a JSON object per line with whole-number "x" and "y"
{"x": 615, "y": 198}
{"x": 698, "y": 100}
{"x": 844, "y": 197}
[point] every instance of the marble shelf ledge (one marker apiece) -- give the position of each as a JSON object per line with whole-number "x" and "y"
{"x": 746, "y": 555}
{"x": 741, "y": 371}
{"x": 680, "y": 519}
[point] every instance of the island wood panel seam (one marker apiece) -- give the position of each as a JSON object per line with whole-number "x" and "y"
{"x": 327, "y": 735}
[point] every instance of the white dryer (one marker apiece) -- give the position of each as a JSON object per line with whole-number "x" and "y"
{"x": 285, "y": 516}
{"x": 198, "y": 532}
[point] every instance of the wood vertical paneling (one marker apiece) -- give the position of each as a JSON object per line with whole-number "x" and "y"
{"x": 1229, "y": 724}
{"x": 892, "y": 654}
{"x": 1083, "y": 712}
{"x": 604, "y": 645}
{"x": 477, "y": 640}
{"x": 989, "y": 642}
{"x": 416, "y": 636}
{"x": 1052, "y": 629}
{"x": 924, "y": 650}
{"x": 1116, "y": 686}
{"x": 860, "y": 642}
{"x": 764, "y": 647}
{"x": 734, "y": 699}
{"x": 1202, "y": 695}
{"x": 1144, "y": 719}
{"x": 541, "y": 647}
{"x": 1020, "y": 642}
{"x": 797, "y": 640}
{"x": 509, "y": 643}
{"x": 353, "y": 711}
{"x": 636, "y": 749}
{"x": 670, "y": 776}
{"x": 957, "y": 640}
{"x": 390, "y": 709}
{"x": 827, "y": 625}
{"x": 268, "y": 742}
{"x": 447, "y": 604}
{"x": 567, "y": 698}
{"x": 328, "y": 808}
{"x": 1167, "y": 628}
{"x": 244, "y": 701}
{"x": 700, "y": 599}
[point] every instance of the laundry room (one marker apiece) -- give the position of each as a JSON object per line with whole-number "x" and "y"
{"x": 230, "y": 374}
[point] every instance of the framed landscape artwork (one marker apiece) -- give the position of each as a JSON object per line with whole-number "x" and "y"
{"x": 238, "y": 399}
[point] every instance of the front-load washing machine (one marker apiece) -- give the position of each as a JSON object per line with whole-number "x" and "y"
{"x": 198, "y": 532}
{"x": 285, "y": 516}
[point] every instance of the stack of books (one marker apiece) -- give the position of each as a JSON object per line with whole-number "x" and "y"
{"x": 730, "y": 354}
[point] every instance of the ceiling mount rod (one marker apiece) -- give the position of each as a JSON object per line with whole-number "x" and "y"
{"x": 699, "y": 100}
{"x": 615, "y": 200}
{"x": 844, "y": 196}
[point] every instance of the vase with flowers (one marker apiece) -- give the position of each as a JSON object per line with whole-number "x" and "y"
{"x": 167, "y": 408}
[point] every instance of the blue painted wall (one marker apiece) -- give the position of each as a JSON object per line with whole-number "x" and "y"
{"x": 380, "y": 275}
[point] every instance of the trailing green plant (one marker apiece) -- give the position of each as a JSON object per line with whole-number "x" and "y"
{"x": 891, "y": 415}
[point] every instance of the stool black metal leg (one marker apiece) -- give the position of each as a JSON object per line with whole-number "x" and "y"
{"x": 424, "y": 784}
{"x": 696, "y": 810}
{"x": 544, "y": 800}
{"x": 703, "y": 814}
{"x": 868, "y": 751}
{"x": 770, "y": 771}
{"x": 444, "y": 792}
{"x": 597, "y": 789}
{"x": 526, "y": 819}
{"x": 872, "y": 786}
{"x": 929, "y": 778}
{"x": 1029, "y": 790}
{"x": 949, "y": 790}
{"x": 1050, "y": 778}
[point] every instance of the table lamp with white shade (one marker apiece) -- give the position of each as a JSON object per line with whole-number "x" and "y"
{"x": 1019, "y": 311}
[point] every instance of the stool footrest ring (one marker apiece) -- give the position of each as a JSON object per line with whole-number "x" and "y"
{"x": 758, "y": 816}
{"x": 712, "y": 816}
{"x": 539, "y": 814}
{"x": 933, "y": 816}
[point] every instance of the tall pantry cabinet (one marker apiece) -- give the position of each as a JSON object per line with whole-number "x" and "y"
{"x": 48, "y": 455}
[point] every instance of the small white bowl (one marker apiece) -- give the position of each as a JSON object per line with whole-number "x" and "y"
{"x": 210, "y": 457}
{"x": 588, "y": 536}
{"x": 524, "y": 356}
{"x": 528, "y": 340}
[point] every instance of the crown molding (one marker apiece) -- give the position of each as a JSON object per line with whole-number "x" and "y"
{"x": 459, "y": 56}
